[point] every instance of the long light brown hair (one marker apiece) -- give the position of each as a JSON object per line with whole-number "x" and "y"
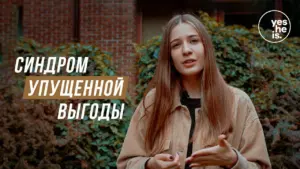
{"x": 216, "y": 97}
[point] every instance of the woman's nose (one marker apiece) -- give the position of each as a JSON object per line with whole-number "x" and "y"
{"x": 186, "y": 50}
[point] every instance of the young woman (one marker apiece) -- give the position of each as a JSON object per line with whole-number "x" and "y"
{"x": 192, "y": 118}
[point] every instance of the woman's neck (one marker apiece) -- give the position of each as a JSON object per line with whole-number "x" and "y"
{"x": 192, "y": 86}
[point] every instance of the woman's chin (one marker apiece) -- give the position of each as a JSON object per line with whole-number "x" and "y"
{"x": 191, "y": 73}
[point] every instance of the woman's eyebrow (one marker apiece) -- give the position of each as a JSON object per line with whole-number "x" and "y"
{"x": 174, "y": 40}
{"x": 189, "y": 36}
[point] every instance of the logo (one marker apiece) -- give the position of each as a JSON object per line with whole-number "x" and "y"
{"x": 279, "y": 23}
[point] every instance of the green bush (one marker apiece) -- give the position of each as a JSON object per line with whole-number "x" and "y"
{"x": 269, "y": 73}
{"x": 32, "y": 137}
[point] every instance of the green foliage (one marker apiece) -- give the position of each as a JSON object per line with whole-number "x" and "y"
{"x": 269, "y": 73}
{"x": 148, "y": 54}
{"x": 33, "y": 137}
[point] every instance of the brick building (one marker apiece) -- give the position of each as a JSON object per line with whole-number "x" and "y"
{"x": 112, "y": 25}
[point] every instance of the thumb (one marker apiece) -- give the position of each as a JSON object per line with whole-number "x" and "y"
{"x": 176, "y": 157}
{"x": 222, "y": 141}
{"x": 165, "y": 157}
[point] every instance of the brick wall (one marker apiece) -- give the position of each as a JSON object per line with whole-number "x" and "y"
{"x": 48, "y": 21}
{"x": 108, "y": 24}
{"x": 8, "y": 27}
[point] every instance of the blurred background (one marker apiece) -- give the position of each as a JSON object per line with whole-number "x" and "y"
{"x": 114, "y": 25}
{"x": 122, "y": 37}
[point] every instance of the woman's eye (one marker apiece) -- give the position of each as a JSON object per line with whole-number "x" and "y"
{"x": 194, "y": 41}
{"x": 175, "y": 45}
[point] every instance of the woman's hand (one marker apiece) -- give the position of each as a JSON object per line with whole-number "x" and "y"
{"x": 220, "y": 155}
{"x": 163, "y": 161}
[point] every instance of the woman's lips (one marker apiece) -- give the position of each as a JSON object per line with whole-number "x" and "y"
{"x": 189, "y": 63}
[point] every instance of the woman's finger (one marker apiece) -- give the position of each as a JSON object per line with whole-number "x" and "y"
{"x": 228, "y": 145}
{"x": 164, "y": 157}
{"x": 177, "y": 166}
{"x": 221, "y": 139}
{"x": 169, "y": 164}
{"x": 176, "y": 158}
{"x": 223, "y": 142}
{"x": 202, "y": 159}
{"x": 199, "y": 164}
{"x": 205, "y": 151}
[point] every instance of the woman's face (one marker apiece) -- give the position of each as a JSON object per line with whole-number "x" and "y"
{"x": 187, "y": 50}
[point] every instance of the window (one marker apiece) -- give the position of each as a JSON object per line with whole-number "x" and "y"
{"x": 20, "y": 22}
